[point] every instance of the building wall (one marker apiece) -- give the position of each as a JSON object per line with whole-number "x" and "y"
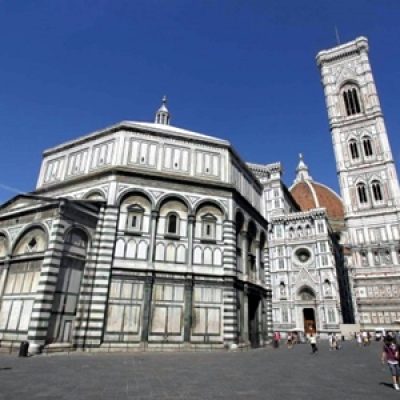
{"x": 143, "y": 282}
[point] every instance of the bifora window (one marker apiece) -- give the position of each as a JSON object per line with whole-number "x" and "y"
{"x": 377, "y": 191}
{"x": 351, "y": 100}
{"x": 362, "y": 193}
{"x": 354, "y": 149}
{"x": 367, "y": 147}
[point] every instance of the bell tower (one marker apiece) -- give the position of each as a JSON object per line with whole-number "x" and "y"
{"x": 368, "y": 181}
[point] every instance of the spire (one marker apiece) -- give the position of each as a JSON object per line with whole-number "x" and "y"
{"x": 302, "y": 171}
{"x": 162, "y": 115}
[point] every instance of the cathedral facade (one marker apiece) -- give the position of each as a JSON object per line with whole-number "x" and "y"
{"x": 149, "y": 236}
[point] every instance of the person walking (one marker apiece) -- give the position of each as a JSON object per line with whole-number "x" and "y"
{"x": 336, "y": 341}
{"x": 390, "y": 355}
{"x": 313, "y": 342}
{"x": 359, "y": 339}
{"x": 331, "y": 344}
{"x": 290, "y": 340}
{"x": 276, "y": 339}
{"x": 365, "y": 338}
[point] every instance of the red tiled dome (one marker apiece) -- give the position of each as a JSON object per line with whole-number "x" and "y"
{"x": 309, "y": 194}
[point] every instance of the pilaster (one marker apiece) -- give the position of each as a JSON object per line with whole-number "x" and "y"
{"x": 42, "y": 306}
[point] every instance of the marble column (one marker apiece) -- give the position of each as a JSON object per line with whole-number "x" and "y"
{"x": 245, "y": 320}
{"x": 147, "y": 298}
{"x": 245, "y": 242}
{"x": 188, "y": 309}
{"x": 191, "y": 224}
{"x": 153, "y": 233}
{"x": 258, "y": 260}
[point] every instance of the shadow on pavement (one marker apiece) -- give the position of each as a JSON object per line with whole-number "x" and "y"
{"x": 389, "y": 385}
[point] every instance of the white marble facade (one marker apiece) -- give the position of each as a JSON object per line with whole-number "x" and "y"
{"x": 145, "y": 235}
{"x": 171, "y": 245}
{"x": 304, "y": 261}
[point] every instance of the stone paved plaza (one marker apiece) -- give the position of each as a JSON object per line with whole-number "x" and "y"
{"x": 351, "y": 373}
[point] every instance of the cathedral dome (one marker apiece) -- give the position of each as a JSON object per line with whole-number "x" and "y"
{"x": 309, "y": 194}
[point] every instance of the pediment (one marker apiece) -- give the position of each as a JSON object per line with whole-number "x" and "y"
{"x": 345, "y": 74}
{"x": 20, "y": 202}
{"x": 304, "y": 278}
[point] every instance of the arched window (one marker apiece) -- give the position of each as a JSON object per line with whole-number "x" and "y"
{"x": 376, "y": 257}
{"x": 172, "y": 224}
{"x": 209, "y": 223}
{"x": 354, "y": 149}
{"x": 367, "y": 147}
{"x": 364, "y": 258}
{"x": 387, "y": 257}
{"x": 282, "y": 290}
{"x": 327, "y": 288}
{"x": 135, "y": 218}
{"x": 362, "y": 193}
{"x": 377, "y": 191}
{"x": 351, "y": 100}
{"x": 299, "y": 231}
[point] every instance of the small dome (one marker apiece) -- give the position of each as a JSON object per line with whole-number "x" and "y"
{"x": 162, "y": 115}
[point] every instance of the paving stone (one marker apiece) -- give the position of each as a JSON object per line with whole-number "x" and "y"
{"x": 352, "y": 372}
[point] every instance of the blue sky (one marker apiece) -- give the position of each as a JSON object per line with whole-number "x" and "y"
{"x": 243, "y": 70}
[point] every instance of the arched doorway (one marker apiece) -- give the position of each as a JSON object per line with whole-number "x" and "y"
{"x": 309, "y": 321}
{"x": 307, "y": 297}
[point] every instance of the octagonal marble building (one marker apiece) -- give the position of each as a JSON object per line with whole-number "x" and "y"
{"x": 140, "y": 235}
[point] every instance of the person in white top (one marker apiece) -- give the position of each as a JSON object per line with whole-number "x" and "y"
{"x": 359, "y": 339}
{"x": 313, "y": 342}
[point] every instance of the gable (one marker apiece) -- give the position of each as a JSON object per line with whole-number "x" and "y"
{"x": 22, "y": 201}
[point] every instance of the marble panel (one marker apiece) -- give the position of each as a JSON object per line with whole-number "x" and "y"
{"x": 159, "y": 319}
{"x": 25, "y": 315}
{"x": 4, "y": 313}
{"x": 200, "y": 315}
{"x": 15, "y": 315}
{"x": 131, "y": 319}
{"x": 115, "y": 318}
{"x": 214, "y": 321}
{"x": 174, "y": 320}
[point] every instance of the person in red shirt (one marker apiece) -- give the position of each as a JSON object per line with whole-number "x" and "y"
{"x": 390, "y": 354}
{"x": 276, "y": 339}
